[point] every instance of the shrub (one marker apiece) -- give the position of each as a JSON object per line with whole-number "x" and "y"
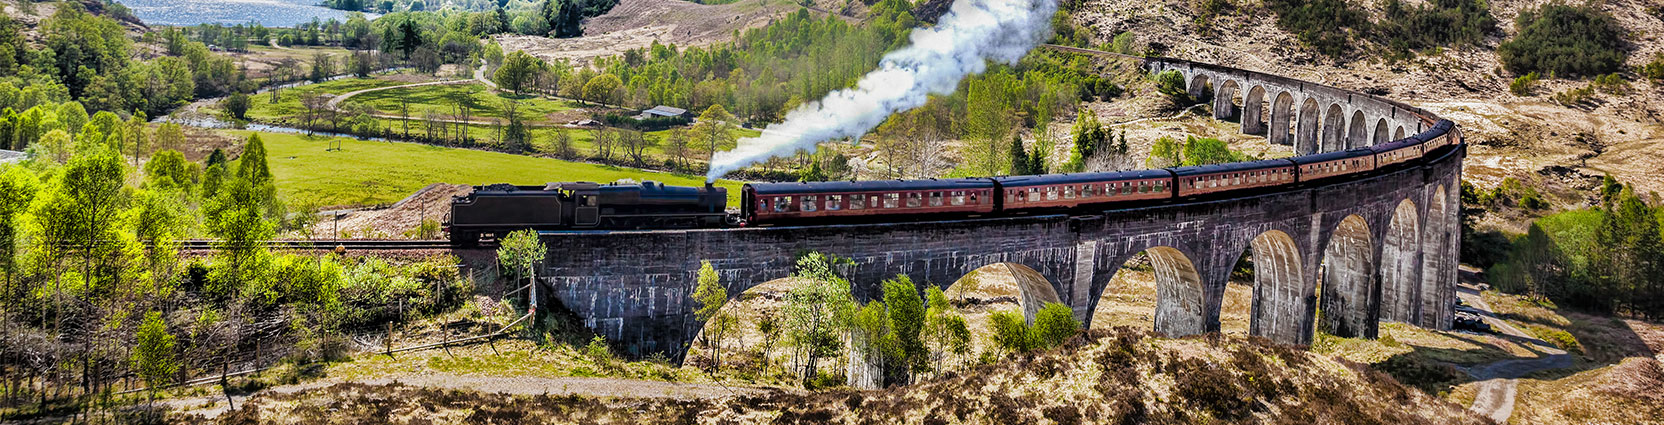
{"x": 1611, "y": 83}
{"x": 1320, "y": 24}
{"x": 1441, "y": 22}
{"x": 1575, "y": 96}
{"x": 1206, "y": 10}
{"x": 598, "y": 350}
{"x": 1171, "y": 83}
{"x": 1054, "y": 324}
{"x": 1523, "y": 85}
{"x": 1564, "y": 41}
{"x": 1124, "y": 43}
{"x": 1653, "y": 70}
{"x": 1010, "y": 331}
{"x": 237, "y": 105}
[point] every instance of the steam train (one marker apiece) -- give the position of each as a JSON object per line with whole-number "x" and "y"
{"x": 497, "y": 209}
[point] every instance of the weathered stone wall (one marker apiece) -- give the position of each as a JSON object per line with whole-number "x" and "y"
{"x": 1323, "y": 118}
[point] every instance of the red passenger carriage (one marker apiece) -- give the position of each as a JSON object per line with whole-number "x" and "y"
{"x": 1206, "y": 179}
{"x": 764, "y": 203}
{"x": 1061, "y": 191}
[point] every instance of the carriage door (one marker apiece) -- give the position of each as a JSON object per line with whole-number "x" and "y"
{"x": 588, "y": 213}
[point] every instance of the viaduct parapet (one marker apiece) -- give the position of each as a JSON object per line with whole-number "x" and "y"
{"x": 1377, "y": 247}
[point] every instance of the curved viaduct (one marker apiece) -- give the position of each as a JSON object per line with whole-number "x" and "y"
{"x": 1377, "y": 247}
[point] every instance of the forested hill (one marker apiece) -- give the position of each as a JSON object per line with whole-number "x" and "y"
{"x": 57, "y": 53}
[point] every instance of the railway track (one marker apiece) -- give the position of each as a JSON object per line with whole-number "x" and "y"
{"x": 342, "y": 244}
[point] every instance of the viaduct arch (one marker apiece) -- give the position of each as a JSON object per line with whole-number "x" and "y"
{"x": 1380, "y": 246}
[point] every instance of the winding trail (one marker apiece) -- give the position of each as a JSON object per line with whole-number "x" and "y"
{"x": 479, "y": 74}
{"x": 1499, "y": 381}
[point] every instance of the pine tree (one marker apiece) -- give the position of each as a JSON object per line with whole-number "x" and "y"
{"x": 1019, "y": 159}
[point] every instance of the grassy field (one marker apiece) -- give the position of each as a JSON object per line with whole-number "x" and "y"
{"x": 538, "y": 111}
{"x": 583, "y": 140}
{"x": 368, "y": 173}
{"x": 488, "y": 103}
{"x": 288, "y": 100}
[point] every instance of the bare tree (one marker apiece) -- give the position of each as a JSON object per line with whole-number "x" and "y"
{"x": 515, "y": 136}
{"x": 563, "y": 144}
{"x": 604, "y": 139}
{"x": 636, "y": 145}
{"x": 431, "y": 119}
{"x": 314, "y": 105}
{"x": 462, "y": 103}
{"x": 676, "y": 147}
{"x": 404, "y": 114}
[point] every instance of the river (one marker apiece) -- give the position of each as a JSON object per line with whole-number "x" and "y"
{"x": 271, "y": 13}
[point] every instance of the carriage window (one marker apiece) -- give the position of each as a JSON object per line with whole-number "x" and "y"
{"x": 1213, "y": 181}
{"x": 957, "y": 198}
{"x": 810, "y": 203}
{"x": 857, "y": 202}
{"x": 782, "y": 203}
{"x": 974, "y": 201}
{"x": 1126, "y": 188}
{"x": 1033, "y": 194}
{"x": 834, "y": 202}
{"x": 935, "y": 199}
{"x": 1069, "y": 192}
{"x": 892, "y": 200}
{"x": 1161, "y": 185}
{"x": 1143, "y": 187}
{"x": 1051, "y": 193}
{"x": 914, "y": 200}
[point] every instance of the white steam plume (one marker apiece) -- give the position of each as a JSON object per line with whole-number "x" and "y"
{"x": 970, "y": 34}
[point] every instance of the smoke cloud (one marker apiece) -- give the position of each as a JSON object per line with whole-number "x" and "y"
{"x": 964, "y": 40}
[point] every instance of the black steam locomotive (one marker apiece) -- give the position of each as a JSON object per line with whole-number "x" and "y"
{"x": 497, "y": 209}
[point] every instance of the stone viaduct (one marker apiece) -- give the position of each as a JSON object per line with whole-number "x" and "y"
{"x": 1378, "y": 247}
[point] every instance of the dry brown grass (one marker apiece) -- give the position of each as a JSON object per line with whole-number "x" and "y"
{"x": 1119, "y": 376}
{"x": 1630, "y": 392}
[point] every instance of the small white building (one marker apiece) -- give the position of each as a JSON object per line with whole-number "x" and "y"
{"x": 662, "y": 111}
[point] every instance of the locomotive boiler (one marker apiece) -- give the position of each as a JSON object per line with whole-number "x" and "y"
{"x": 494, "y": 210}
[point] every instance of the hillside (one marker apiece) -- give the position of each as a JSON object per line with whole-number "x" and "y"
{"x": 1120, "y": 376}
{"x": 1513, "y": 135}
{"x": 636, "y": 24}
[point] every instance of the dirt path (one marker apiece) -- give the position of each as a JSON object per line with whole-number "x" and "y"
{"x": 593, "y": 387}
{"x": 1499, "y": 381}
{"x": 479, "y": 74}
